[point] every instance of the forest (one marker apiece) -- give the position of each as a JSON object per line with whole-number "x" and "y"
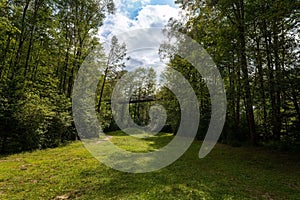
{"x": 50, "y": 148}
{"x": 255, "y": 45}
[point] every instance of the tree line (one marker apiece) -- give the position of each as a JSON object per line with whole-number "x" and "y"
{"x": 42, "y": 44}
{"x": 255, "y": 45}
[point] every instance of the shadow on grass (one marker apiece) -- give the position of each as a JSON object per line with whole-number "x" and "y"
{"x": 226, "y": 173}
{"x": 156, "y": 142}
{"x": 168, "y": 183}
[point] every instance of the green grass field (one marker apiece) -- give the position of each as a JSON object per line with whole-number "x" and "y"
{"x": 70, "y": 172}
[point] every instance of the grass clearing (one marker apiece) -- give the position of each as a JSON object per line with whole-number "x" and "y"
{"x": 70, "y": 172}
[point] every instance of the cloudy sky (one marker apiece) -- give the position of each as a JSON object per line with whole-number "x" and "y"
{"x": 136, "y": 14}
{"x": 132, "y": 15}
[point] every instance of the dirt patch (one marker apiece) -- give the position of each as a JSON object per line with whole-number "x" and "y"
{"x": 105, "y": 139}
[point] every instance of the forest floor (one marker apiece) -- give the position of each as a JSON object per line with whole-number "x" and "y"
{"x": 71, "y": 172}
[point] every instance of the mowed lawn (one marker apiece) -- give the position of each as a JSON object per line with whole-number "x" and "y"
{"x": 70, "y": 172}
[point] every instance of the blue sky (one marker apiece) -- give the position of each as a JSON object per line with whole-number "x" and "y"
{"x": 133, "y": 15}
{"x": 134, "y": 7}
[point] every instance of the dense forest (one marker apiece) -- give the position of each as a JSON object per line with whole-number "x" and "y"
{"x": 255, "y": 45}
{"x": 42, "y": 44}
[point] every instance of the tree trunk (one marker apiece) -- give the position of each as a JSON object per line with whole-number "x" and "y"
{"x": 244, "y": 67}
{"x": 4, "y": 55}
{"x": 36, "y": 9}
{"x": 21, "y": 41}
{"x": 262, "y": 85}
{"x": 277, "y": 106}
{"x": 102, "y": 90}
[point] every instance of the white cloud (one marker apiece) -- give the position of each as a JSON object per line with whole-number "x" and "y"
{"x": 144, "y": 2}
{"x": 149, "y": 16}
{"x": 155, "y": 15}
{"x": 134, "y": 15}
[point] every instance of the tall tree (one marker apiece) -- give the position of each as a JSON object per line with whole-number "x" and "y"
{"x": 253, "y": 44}
{"x": 42, "y": 45}
{"x": 114, "y": 62}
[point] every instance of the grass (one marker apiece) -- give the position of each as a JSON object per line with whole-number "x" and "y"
{"x": 70, "y": 172}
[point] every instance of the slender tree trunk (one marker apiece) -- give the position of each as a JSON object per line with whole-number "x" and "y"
{"x": 231, "y": 93}
{"x": 277, "y": 82}
{"x": 238, "y": 98}
{"x": 36, "y": 9}
{"x": 296, "y": 105}
{"x": 102, "y": 90}
{"x": 21, "y": 41}
{"x": 71, "y": 76}
{"x": 244, "y": 67}
{"x": 3, "y": 59}
{"x": 267, "y": 40}
{"x": 28, "y": 52}
{"x": 70, "y": 82}
{"x": 262, "y": 85}
{"x": 65, "y": 70}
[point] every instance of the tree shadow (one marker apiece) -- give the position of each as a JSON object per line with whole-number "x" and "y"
{"x": 226, "y": 173}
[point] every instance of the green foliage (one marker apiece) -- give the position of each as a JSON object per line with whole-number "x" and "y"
{"x": 34, "y": 118}
{"x": 171, "y": 104}
{"x": 256, "y": 49}
{"x": 42, "y": 45}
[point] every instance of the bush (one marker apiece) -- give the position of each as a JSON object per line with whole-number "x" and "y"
{"x": 34, "y": 118}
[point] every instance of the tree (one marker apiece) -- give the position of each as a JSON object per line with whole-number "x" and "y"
{"x": 42, "y": 45}
{"x": 253, "y": 44}
{"x": 144, "y": 89}
{"x": 114, "y": 63}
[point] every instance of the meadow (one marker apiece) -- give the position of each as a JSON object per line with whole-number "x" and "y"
{"x": 71, "y": 172}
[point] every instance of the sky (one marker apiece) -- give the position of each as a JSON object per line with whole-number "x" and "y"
{"x": 131, "y": 15}
{"x": 136, "y": 14}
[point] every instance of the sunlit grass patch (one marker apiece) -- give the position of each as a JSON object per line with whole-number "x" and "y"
{"x": 226, "y": 173}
